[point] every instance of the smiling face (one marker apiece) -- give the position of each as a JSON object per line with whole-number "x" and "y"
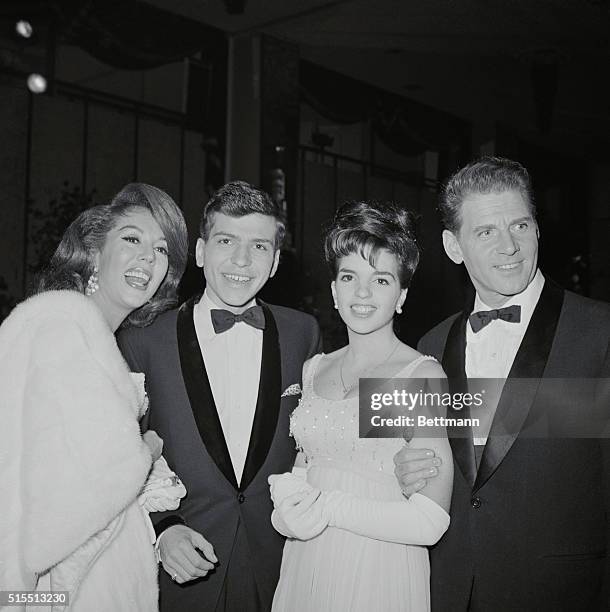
{"x": 131, "y": 265}
{"x": 497, "y": 242}
{"x": 367, "y": 296}
{"x": 238, "y": 258}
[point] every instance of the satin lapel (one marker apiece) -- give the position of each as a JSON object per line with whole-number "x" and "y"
{"x": 454, "y": 360}
{"x": 200, "y": 392}
{"x": 518, "y": 395}
{"x": 267, "y": 403}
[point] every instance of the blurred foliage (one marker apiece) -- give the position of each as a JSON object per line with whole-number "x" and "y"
{"x": 48, "y": 224}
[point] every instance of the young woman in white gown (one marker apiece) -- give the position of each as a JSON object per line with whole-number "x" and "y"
{"x": 355, "y": 543}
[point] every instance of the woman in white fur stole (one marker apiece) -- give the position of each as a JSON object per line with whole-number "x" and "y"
{"x": 72, "y": 460}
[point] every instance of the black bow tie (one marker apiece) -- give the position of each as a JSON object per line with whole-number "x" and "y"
{"x": 223, "y": 319}
{"x": 510, "y": 314}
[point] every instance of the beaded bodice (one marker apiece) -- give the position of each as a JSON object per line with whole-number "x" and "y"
{"x": 326, "y": 430}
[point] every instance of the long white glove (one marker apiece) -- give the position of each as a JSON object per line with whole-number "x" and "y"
{"x": 163, "y": 490}
{"x": 295, "y": 514}
{"x": 417, "y": 520}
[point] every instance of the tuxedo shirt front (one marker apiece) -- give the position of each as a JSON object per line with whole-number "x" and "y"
{"x": 491, "y": 351}
{"x": 233, "y": 363}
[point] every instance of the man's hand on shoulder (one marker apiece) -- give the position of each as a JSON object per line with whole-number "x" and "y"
{"x": 413, "y": 468}
{"x": 185, "y": 554}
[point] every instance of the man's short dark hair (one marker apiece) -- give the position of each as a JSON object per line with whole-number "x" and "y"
{"x": 238, "y": 199}
{"x": 485, "y": 175}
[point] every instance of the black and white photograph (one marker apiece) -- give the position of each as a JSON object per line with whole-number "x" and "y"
{"x": 305, "y": 306}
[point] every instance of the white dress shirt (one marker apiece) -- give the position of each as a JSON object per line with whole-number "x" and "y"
{"x": 491, "y": 351}
{"x": 233, "y": 363}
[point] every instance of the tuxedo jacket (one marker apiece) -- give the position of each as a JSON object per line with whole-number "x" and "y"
{"x": 182, "y": 411}
{"x": 530, "y": 528}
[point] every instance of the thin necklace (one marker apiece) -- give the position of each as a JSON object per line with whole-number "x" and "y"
{"x": 368, "y": 370}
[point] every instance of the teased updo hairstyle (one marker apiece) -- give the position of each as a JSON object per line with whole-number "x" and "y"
{"x": 72, "y": 263}
{"x": 367, "y": 227}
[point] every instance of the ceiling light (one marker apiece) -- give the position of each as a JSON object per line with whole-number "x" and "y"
{"x": 37, "y": 83}
{"x": 24, "y": 28}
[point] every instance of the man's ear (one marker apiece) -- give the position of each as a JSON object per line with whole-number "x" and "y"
{"x": 276, "y": 263}
{"x": 452, "y": 247}
{"x": 199, "y": 248}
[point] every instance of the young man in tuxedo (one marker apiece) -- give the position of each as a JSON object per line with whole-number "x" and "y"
{"x": 223, "y": 374}
{"x": 530, "y": 517}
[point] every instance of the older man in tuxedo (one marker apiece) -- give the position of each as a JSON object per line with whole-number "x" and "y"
{"x": 223, "y": 374}
{"x": 530, "y": 518}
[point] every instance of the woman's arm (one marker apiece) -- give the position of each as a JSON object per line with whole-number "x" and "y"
{"x": 421, "y": 519}
{"x": 305, "y": 512}
{"x": 417, "y": 520}
{"x": 438, "y": 489}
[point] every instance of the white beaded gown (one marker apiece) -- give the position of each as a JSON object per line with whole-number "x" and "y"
{"x": 338, "y": 570}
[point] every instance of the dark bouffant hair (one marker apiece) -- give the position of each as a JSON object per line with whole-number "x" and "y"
{"x": 238, "y": 199}
{"x": 485, "y": 175}
{"x": 72, "y": 263}
{"x": 367, "y": 227}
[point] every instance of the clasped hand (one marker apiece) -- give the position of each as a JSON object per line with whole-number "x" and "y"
{"x": 299, "y": 507}
{"x": 162, "y": 490}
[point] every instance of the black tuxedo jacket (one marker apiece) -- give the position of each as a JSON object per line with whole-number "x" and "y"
{"x": 182, "y": 411}
{"x": 530, "y": 529}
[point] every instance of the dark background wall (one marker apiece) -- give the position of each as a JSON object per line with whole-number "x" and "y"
{"x": 317, "y": 102}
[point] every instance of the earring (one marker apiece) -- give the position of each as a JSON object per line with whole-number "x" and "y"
{"x": 93, "y": 283}
{"x": 336, "y": 306}
{"x": 399, "y": 309}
